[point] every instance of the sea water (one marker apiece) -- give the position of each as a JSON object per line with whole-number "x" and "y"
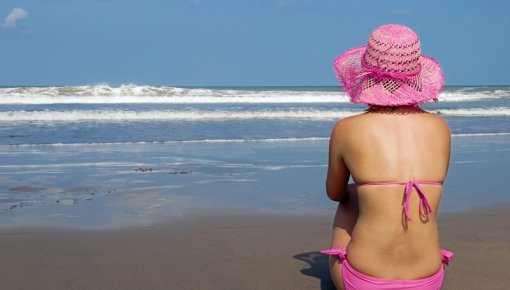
{"x": 130, "y": 113}
{"x": 103, "y": 156}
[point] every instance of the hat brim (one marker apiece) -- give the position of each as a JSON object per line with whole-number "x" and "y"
{"x": 349, "y": 71}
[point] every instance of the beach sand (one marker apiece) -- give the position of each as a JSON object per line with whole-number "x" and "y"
{"x": 250, "y": 219}
{"x": 230, "y": 251}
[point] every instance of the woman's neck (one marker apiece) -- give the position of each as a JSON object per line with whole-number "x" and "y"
{"x": 410, "y": 109}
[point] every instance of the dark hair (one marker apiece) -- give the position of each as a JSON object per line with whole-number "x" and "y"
{"x": 390, "y": 109}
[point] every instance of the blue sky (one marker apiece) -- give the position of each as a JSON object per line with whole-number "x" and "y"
{"x": 237, "y": 42}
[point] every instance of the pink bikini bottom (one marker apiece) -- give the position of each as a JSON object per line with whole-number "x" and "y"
{"x": 354, "y": 280}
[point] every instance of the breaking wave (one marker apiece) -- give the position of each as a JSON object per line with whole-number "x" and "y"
{"x": 105, "y": 94}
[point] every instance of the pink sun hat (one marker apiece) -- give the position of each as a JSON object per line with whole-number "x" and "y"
{"x": 389, "y": 70}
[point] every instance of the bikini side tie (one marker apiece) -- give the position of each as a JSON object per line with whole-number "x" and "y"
{"x": 446, "y": 256}
{"x": 336, "y": 251}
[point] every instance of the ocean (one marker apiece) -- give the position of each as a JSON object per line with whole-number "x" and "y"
{"x": 103, "y": 156}
{"x": 131, "y": 113}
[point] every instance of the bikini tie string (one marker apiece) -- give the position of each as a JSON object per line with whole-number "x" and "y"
{"x": 446, "y": 257}
{"x": 424, "y": 207}
{"x": 340, "y": 253}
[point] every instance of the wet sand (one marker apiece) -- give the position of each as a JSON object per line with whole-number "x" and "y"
{"x": 230, "y": 251}
{"x": 481, "y": 242}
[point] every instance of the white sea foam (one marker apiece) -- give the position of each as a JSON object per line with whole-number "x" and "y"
{"x": 463, "y": 95}
{"x": 476, "y": 112}
{"x": 220, "y": 141}
{"x": 238, "y": 140}
{"x": 203, "y": 115}
{"x": 191, "y": 115}
{"x": 104, "y": 94}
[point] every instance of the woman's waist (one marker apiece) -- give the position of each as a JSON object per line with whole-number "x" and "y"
{"x": 395, "y": 233}
{"x": 394, "y": 256}
{"x": 381, "y": 209}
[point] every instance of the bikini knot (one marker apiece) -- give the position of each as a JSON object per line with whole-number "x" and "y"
{"x": 446, "y": 256}
{"x": 341, "y": 253}
{"x": 424, "y": 207}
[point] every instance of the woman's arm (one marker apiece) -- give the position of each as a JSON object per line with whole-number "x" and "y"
{"x": 338, "y": 173}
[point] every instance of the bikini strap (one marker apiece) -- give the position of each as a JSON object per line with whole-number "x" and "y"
{"x": 424, "y": 206}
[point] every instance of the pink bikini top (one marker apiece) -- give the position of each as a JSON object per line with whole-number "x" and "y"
{"x": 424, "y": 206}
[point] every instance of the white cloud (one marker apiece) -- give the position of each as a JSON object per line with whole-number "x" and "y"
{"x": 16, "y": 15}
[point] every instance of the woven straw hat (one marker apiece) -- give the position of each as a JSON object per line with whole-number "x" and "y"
{"x": 389, "y": 70}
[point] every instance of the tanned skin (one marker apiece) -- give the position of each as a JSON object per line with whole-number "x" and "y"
{"x": 381, "y": 145}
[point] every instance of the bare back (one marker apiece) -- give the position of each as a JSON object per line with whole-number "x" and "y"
{"x": 392, "y": 145}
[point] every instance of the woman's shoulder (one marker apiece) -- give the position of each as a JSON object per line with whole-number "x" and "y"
{"x": 436, "y": 122}
{"x": 346, "y": 126}
{"x": 366, "y": 120}
{"x": 351, "y": 122}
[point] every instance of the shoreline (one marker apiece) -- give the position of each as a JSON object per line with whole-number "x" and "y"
{"x": 221, "y": 141}
{"x": 141, "y": 184}
{"x": 231, "y": 251}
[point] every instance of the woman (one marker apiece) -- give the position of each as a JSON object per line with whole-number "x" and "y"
{"x": 385, "y": 233}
